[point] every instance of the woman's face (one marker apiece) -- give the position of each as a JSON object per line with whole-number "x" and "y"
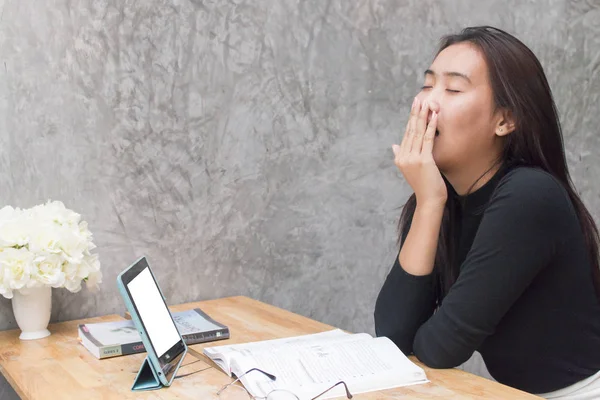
{"x": 457, "y": 87}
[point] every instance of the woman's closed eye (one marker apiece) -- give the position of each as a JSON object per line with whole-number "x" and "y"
{"x": 447, "y": 90}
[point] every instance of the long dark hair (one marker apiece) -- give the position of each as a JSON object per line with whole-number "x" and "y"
{"x": 520, "y": 86}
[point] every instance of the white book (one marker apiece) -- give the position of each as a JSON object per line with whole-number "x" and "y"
{"x": 223, "y": 355}
{"x": 307, "y": 365}
{"x": 119, "y": 338}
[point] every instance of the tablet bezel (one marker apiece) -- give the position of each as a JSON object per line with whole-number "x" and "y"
{"x": 167, "y": 364}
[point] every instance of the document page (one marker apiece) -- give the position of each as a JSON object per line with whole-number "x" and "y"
{"x": 363, "y": 363}
{"x": 228, "y": 351}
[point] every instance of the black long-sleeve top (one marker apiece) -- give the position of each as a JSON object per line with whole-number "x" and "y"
{"x": 524, "y": 297}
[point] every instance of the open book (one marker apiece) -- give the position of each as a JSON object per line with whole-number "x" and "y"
{"x": 309, "y": 364}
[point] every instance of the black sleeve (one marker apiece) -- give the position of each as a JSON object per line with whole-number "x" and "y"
{"x": 518, "y": 235}
{"x": 404, "y": 303}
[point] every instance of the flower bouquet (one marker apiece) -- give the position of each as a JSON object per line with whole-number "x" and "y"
{"x": 43, "y": 247}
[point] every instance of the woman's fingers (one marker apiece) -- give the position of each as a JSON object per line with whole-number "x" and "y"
{"x": 396, "y": 150}
{"x": 421, "y": 127}
{"x": 406, "y": 144}
{"x": 429, "y": 136}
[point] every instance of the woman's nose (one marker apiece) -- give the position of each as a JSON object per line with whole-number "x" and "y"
{"x": 434, "y": 105}
{"x": 432, "y": 100}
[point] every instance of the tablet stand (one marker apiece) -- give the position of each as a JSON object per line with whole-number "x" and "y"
{"x": 146, "y": 378}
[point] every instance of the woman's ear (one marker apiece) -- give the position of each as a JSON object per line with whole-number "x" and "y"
{"x": 506, "y": 123}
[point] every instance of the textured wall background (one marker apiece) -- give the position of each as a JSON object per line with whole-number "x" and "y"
{"x": 244, "y": 146}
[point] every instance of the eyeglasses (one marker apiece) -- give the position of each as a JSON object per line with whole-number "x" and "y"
{"x": 275, "y": 394}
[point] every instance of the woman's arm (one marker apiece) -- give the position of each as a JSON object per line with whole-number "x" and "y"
{"x": 407, "y": 298}
{"x": 417, "y": 255}
{"x": 516, "y": 239}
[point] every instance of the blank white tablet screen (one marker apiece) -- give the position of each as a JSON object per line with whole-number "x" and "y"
{"x": 153, "y": 312}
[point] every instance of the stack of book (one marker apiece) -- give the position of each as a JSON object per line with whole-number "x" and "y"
{"x": 119, "y": 338}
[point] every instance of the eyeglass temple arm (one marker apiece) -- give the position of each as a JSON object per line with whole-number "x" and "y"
{"x": 348, "y": 394}
{"x": 226, "y": 386}
{"x": 270, "y": 376}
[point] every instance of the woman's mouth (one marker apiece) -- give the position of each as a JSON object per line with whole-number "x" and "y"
{"x": 437, "y": 133}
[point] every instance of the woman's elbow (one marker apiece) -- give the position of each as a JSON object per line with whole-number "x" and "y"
{"x": 437, "y": 363}
{"x": 437, "y": 358}
{"x": 404, "y": 342}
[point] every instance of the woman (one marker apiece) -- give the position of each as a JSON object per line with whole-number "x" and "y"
{"x": 498, "y": 253}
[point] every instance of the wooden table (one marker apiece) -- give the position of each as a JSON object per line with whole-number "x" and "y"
{"x": 59, "y": 367}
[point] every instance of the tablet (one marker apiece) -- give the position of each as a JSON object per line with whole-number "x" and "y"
{"x": 145, "y": 302}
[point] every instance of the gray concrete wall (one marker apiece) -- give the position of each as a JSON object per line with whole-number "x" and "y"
{"x": 244, "y": 146}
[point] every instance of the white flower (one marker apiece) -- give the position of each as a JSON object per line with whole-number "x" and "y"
{"x": 47, "y": 245}
{"x": 60, "y": 230}
{"x": 17, "y": 265}
{"x": 14, "y": 227}
{"x": 48, "y": 270}
{"x": 73, "y": 286}
{"x": 94, "y": 277}
{"x": 94, "y": 280}
{"x": 88, "y": 270}
{"x": 7, "y": 213}
{"x": 45, "y": 239}
{"x": 55, "y": 212}
{"x": 72, "y": 280}
{"x": 4, "y": 289}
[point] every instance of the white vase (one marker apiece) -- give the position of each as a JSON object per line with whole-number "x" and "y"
{"x": 32, "y": 307}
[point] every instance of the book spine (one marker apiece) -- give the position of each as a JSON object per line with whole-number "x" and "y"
{"x": 202, "y": 337}
{"x": 121, "y": 350}
{"x": 133, "y": 348}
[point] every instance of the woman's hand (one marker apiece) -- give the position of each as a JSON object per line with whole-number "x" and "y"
{"x": 415, "y": 160}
